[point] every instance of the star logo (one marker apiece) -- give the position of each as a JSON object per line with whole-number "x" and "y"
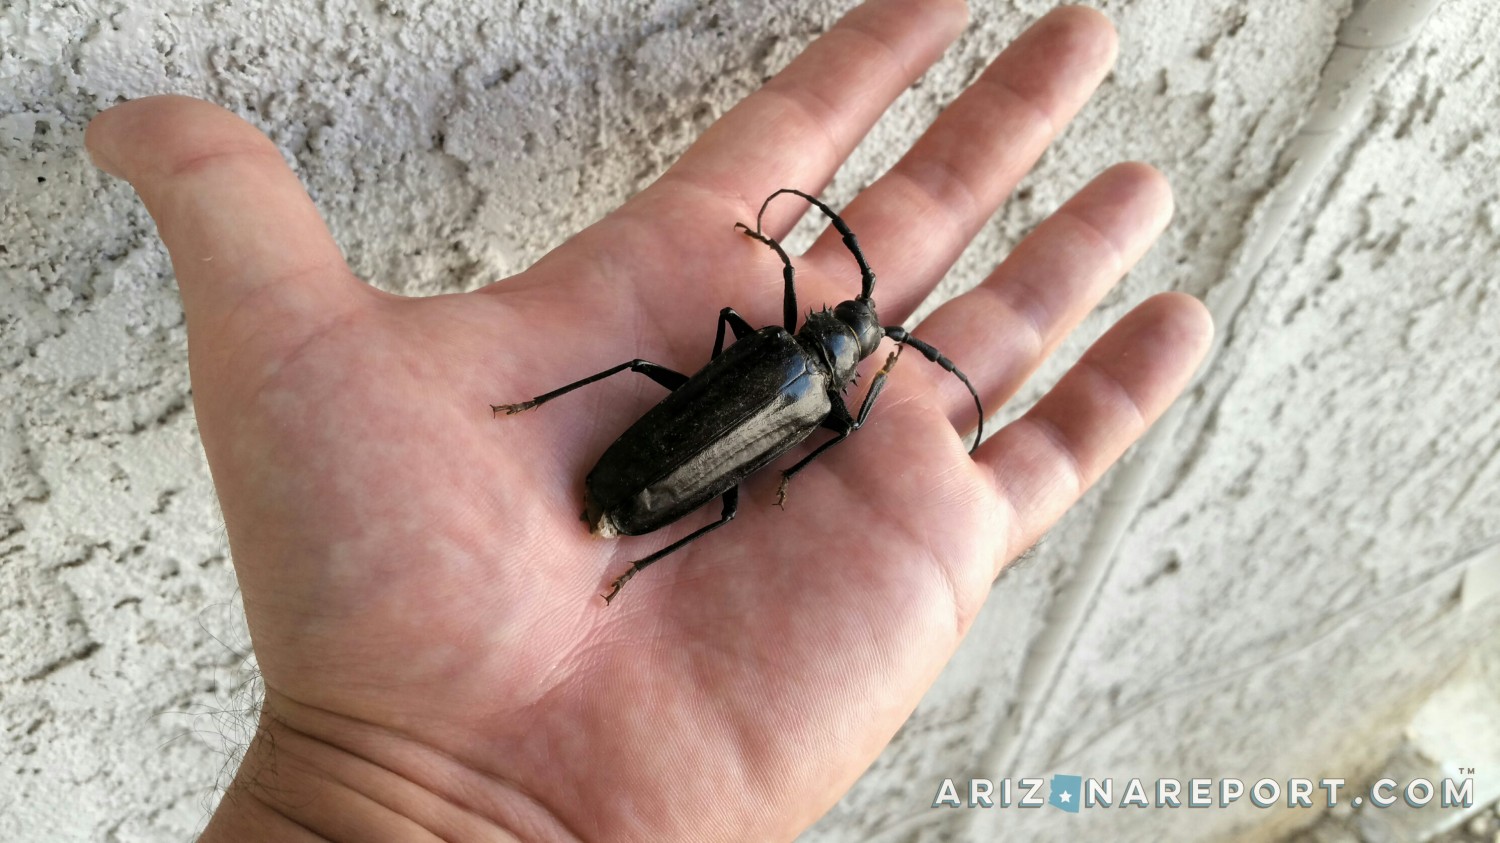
{"x": 1066, "y": 793}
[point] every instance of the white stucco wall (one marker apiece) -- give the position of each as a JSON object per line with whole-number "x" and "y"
{"x": 1284, "y": 595}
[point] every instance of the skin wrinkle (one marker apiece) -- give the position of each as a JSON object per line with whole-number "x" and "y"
{"x": 704, "y": 181}
{"x": 685, "y": 350}
{"x": 682, "y": 340}
{"x": 1016, "y": 290}
{"x": 906, "y": 294}
{"x": 905, "y": 399}
{"x": 642, "y": 317}
{"x": 1061, "y": 446}
{"x": 508, "y": 784}
{"x": 695, "y": 183}
{"x": 1028, "y": 324}
{"x": 1013, "y": 525}
{"x": 1040, "y": 315}
{"x": 811, "y": 281}
{"x": 1118, "y": 387}
{"x": 280, "y": 749}
{"x": 539, "y": 709}
{"x": 1019, "y": 297}
{"x": 196, "y": 163}
{"x": 1040, "y": 124}
{"x": 322, "y": 332}
{"x": 795, "y": 102}
{"x": 903, "y": 69}
{"x": 266, "y": 287}
{"x": 1040, "y": 113}
{"x": 963, "y": 613}
{"x": 813, "y": 102}
{"x": 181, "y": 173}
{"x": 953, "y": 188}
{"x": 605, "y": 249}
{"x": 731, "y": 719}
{"x": 250, "y": 793}
{"x": 837, "y": 149}
{"x": 1115, "y": 251}
{"x": 968, "y": 603}
{"x": 954, "y": 400}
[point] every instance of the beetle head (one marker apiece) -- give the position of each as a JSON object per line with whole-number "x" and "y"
{"x": 859, "y": 315}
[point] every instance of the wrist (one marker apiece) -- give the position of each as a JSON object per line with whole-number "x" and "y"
{"x": 299, "y": 783}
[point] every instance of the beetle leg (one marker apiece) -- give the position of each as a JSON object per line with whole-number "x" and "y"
{"x": 900, "y": 335}
{"x": 661, "y": 374}
{"x": 841, "y": 423}
{"x": 786, "y": 476}
{"x": 788, "y": 274}
{"x": 731, "y": 506}
{"x": 736, "y": 322}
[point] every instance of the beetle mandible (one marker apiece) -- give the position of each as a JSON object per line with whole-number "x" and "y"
{"x": 752, "y": 403}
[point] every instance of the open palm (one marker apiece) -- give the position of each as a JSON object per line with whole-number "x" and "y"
{"x": 422, "y": 596}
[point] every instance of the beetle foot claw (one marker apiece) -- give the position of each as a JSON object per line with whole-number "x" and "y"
{"x": 619, "y": 584}
{"x": 786, "y": 480}
{"x": 512, "y": 409}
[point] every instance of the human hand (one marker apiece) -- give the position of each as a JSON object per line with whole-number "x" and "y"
{"x": 421, "y": 595}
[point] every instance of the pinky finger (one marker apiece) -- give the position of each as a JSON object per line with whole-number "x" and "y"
{"x": 1044, "y": 461}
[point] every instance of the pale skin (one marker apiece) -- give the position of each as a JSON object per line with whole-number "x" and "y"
{"x": 422, "y": 597}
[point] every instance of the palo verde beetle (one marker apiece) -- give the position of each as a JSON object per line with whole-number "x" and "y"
{"x": 749, "y": 405}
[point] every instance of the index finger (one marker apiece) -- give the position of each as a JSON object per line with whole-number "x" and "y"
{"x": 797, "y": 129}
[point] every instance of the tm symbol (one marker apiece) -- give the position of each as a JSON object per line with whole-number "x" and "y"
{"x": 1466, "y": 771}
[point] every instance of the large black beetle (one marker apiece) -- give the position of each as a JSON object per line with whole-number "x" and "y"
{"x": 749, "y": 405}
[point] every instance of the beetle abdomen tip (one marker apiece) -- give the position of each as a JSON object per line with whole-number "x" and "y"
{"x": 605, "y": 528}
{"x": 599, "y": 521}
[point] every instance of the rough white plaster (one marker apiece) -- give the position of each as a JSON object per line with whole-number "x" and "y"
{"x": 1282, "y": 604}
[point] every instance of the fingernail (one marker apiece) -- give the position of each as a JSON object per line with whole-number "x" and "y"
{"x": 91, "y": 146}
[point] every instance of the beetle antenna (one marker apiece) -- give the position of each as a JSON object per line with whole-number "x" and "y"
{"x": 788, "y": 275}
{"x": 866, "y": 275}
{"x": 900, "y": 335}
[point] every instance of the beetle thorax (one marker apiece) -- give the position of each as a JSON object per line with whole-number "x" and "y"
{"x": 843, "y": 336}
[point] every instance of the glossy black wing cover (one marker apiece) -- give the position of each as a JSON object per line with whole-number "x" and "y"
{"x": 744, "y": 409}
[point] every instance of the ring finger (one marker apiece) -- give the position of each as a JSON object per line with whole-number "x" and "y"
{"x": 1001, "y": 331}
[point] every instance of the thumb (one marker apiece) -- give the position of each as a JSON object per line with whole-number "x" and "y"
{"x": 247, "y": 244}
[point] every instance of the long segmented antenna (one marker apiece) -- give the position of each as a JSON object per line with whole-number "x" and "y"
{"x": 788, "y": 277}
{"x": 866, "y": 275}
{"x": 901, "y": 336}
{"x": 867, "y": 279}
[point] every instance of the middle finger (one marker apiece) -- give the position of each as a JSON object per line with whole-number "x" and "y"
{"x": 916, "y": 219}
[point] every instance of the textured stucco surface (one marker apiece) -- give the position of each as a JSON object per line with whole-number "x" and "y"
{"x": 1282, "y": 603}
